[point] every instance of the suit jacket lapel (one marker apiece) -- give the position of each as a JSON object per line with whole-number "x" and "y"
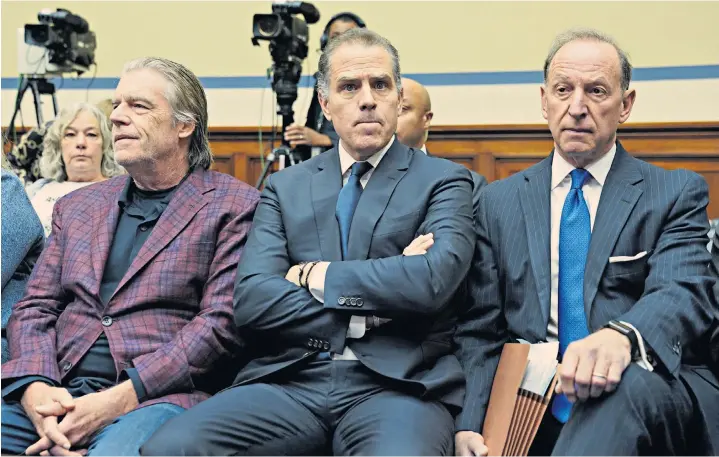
{"x": 375, "y": 198}
{"x": 325, "y": 186}
{"x": 534, "y": 197}
{"x": 619, "y": 196}
{"x": 103, "y": 229}
{"x": 189, "y": 198}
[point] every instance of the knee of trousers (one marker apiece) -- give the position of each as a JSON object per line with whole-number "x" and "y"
{"x": 640, "y": 394}
{"x": 173, "y": 440}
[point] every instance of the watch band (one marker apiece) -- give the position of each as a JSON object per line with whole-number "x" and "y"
{"x": 638, "y": 352}
{"x": 626, "y": 331}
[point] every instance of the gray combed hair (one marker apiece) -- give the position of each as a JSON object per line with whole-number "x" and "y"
{"x": 360, "y": 36}
{"x": 584, "y": 34}
{"x": 51, "y": 162}
{"x": 188, "y": 102}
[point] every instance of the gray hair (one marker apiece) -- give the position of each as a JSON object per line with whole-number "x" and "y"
{"x": 361, "y": 36}
{"x": 581, "y": 34}
{"x": 52, "y": 165}
{"x": 188, "y": 102}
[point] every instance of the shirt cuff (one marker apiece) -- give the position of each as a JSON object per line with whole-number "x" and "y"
{"x": 137, "y": 384}
{"x": 645, "y": 360}
{"x": 316, "y": 281}
{"x": 15, "y": 390}
{"x": 357, "y": 327}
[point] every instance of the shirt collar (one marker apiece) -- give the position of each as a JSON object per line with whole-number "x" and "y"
{"x": 125, "y": 199}
{"x": 424, "y": 148}
{"x": 130, "y": 186}
{"x": 346, "y": 159}
{"x": 599, "y": 169}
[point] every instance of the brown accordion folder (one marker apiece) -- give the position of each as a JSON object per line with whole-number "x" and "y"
{"x": 521, "y": 391}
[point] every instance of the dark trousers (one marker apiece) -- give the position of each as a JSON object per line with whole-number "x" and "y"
{"x": 329, "y": 406}
{"x": 648, "y": 414}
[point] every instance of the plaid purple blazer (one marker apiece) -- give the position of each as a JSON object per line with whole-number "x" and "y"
{"x": 171, "y": 315}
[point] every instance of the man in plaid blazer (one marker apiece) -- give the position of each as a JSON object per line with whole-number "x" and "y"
{"x": 129, "y": 310}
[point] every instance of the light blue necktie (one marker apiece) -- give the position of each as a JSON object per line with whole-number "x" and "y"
{"x": 575, "y": 231}
{"x": 347, "y": 202}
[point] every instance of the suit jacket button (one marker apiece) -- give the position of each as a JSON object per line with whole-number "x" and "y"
{"x": 66, "y": 366}
{"x": 353, "y": 301}
{"x": 325, "y": 346}
{"x": 341, "y": 301}
{"x": 309, "y": 342}
{"x": 107, "y": 321}
{"x": 360, "y": 302}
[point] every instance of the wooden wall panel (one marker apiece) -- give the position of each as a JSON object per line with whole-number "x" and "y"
{"x": 499, "y": 151}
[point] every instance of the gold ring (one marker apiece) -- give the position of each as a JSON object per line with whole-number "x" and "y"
{"x": 599, "y": 375}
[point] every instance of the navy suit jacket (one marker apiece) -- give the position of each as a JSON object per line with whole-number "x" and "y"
{"x": 407, "y": 195}
{"x": 665, "y": 294}
{"x": 714, "y": 268}
{"x": 478, "y": 183}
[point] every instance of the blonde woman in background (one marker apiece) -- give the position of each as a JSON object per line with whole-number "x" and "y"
{"x": 24, "y": 158}
{"x": 77, "y": 151}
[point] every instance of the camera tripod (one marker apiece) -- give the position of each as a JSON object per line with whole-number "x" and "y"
{"x": 283, "y": 152}
{"x": 39, "y": 86}
{"x": 285, "y": 77}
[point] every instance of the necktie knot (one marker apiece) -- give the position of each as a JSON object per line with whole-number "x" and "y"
{"x": 360, "y": 168}
{"x": 579, "y": 177}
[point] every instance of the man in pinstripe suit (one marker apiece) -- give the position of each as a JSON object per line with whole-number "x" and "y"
{"x": 606, "y": 254}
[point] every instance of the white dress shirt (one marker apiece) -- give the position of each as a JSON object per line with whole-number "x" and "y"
{"x": 316, "y": 281}
{"x": 561, "y": 184}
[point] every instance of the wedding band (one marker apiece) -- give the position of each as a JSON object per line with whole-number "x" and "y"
{"x": 599, "y": 375}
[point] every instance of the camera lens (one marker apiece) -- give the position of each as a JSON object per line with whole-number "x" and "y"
{"x": 268, "y": 26}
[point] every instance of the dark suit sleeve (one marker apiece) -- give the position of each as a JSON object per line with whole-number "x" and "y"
{"x": 479, "y": 182}
{"x": 715, "y": 254}
{"x": 264, "y": 300}
{"x": 21, "y": 228}
{"x": 31, "y": 328}
{"x": 675, "y": 309}
{"x": 190, "y": 357}
{"x": 412, "y": 285}
{"x": 481, "y": 330}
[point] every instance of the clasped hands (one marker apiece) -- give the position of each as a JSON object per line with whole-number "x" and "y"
{"x": 81, "y": 417}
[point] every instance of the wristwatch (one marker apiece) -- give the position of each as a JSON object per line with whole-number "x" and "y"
{"x": 640, "y": 352}
{"x": 626, "y": 331}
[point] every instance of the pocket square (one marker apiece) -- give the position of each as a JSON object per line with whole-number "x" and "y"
{"x": 627, "y": 258}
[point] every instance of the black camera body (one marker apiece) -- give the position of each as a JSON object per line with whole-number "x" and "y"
{"x": 67, "y": 37}
{"x": 288, "y": 35}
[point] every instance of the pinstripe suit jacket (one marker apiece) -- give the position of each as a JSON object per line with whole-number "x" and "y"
{"x": 664, "y": 294}
{"x": 171, "y": 313}
{"x": 714, "y": 267}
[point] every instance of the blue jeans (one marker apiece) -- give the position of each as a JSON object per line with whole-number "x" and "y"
{"x": 124, "y": 436}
